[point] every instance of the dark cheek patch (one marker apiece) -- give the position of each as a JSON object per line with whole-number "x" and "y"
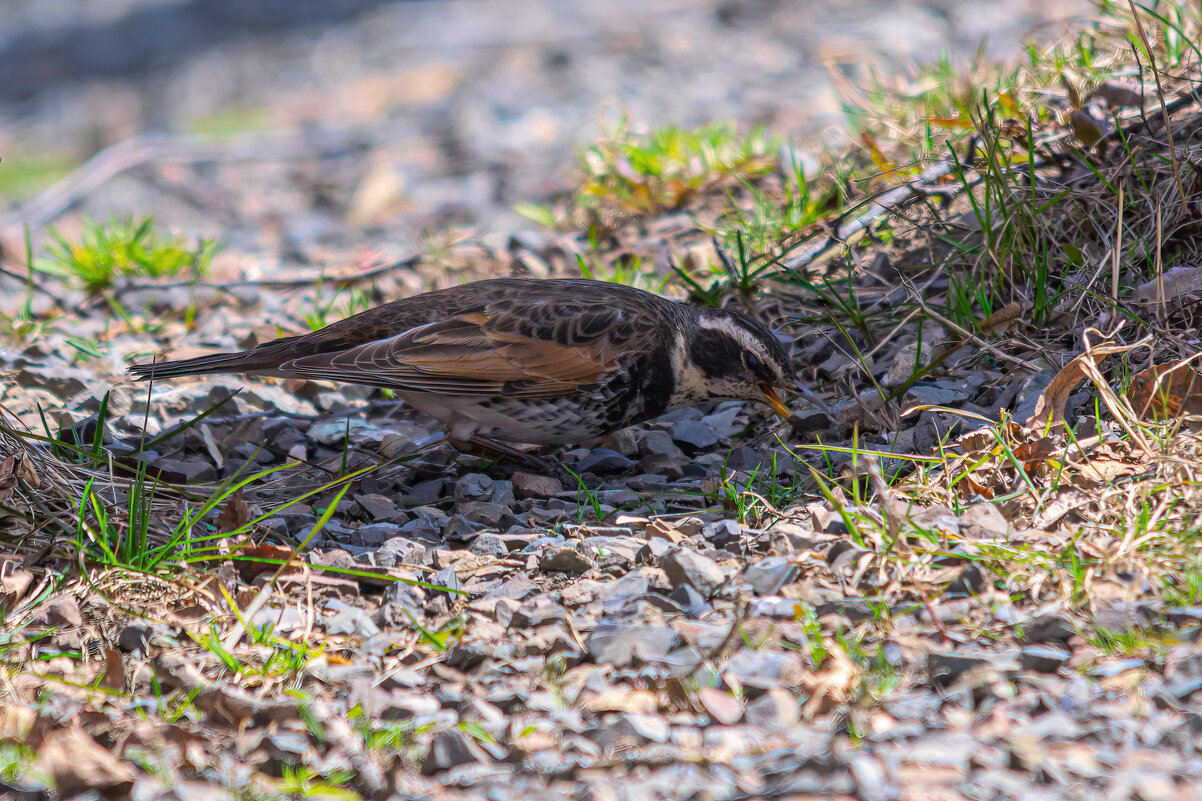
{"x": 716, "y": 353}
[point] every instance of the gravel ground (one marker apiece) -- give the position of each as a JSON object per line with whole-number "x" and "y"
{"x": 649, "y": 631}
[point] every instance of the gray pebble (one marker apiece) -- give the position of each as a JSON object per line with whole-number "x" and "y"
{"x": 694, "y": 435}
{"x": 603, "y": 460}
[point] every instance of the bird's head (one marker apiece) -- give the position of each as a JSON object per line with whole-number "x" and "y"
{"x": 729, "y": 355}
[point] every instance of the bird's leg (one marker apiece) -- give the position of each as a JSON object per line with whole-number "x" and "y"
{"x": 527, "y": 460}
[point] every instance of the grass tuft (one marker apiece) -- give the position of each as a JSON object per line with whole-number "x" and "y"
{"x": 125, "y": 248}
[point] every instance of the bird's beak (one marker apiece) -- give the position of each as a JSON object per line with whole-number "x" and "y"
{"x": 772, "y": 399}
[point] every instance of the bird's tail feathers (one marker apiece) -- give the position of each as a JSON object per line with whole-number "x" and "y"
{"x": 247, "y": 361}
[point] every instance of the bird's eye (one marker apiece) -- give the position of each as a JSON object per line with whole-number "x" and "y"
{"x": 751, "y": 360}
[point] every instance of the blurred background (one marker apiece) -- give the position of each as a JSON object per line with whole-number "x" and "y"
{"x": 305, "y": 124}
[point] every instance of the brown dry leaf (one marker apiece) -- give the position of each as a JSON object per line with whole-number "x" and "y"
{"x": 1165, "y": 391}
{"x": 1177, "y": 283}
{"x": 1106, "y": 468}
{"x": 16, "y": 722}
{"x": 1035, "y": 454}
{"x": 13, "y": 470}
{"x": 1050, "y": 406}
{"x": 234, "y": 513}
{"x": 113, "y": 677}
{"x": 832, "y": 685}
{"x": 8, "y": 477}
{"x": 14, "y": 583}
{"x": 77, "y": 763}
{"x": 983, "y": 468}
{"x": 262, "y": 558}
{"x": 1117, "y": 93}
{"x": 1000, "y": 320}
{"x": 1090, "y": 124}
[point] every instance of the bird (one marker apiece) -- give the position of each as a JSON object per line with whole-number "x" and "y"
{"x": 543, "y": 362}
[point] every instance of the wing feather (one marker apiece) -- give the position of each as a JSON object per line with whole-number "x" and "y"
{"x": 466, "y": 355}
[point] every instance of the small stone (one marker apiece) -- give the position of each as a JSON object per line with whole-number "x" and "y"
{"x": 623, "y": 441}
{"x": 775, "y": 710}
{"x": 1048, "y": 628}
{"x": 623, "y": 645}
{"x": 353, "y": 623}
{"x": 474, "y": 487}
{"x": 536, "y": 612}
{"x": 871, "y": 780}
{"x": 723, "y": 707}
{"x": 516, "y": 540}
{"x": 516, "y": 588}
{"x": 374, "y": 535}
{"x": 1043, "y": 658}
{"x": 186, "y": 471}
{"x": 761, "y": 669}
{"x": 336, "y": 432}
{"x": 1116, "y": 667}
{"x": 746, "y": 460}
{"x": 721, "y": 532}
{"x": 423, "y": 529}
{"x": 450, "y": 748}
{"x": 662, "y": 465}
{"x": 398, "y": 550}
{"x": 602, "y": 460}
{"x": 425, "y": 493}
{"x": 486, "y": 513}
{"x": 562, "y": 559}
{"x": 767, "y": 576}
{"x": 62, "y": 610}
{"x": 659, "y": 443}
{"x": 683, "y": 565}
{"x": 379, "y": 508}
{"x": 694, "y": 435}
{"x": 945, "y": 667}
{"x": 458, "y": 528}
{"x": 489, "y": 544}
{"x": 529, "y": 485}
{"x": 619, "y": 498}
{"x": 689, "y": 600}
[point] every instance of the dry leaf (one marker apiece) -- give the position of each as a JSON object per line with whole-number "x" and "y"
{"x": 832, "y": 685}
{"x": 1164, "y": 391}
{"x": 1104, "y": 469}
{"x": 1001, "y": 319}
{"x": 1178, "y": 282}
{"x": 1050, "y": 406}
{"x": 234, "y": 513}
{"x": 1090, "y": 124}
{"x": 14, "y": 583}
{"x": 16, "y": 722}
{"x": 1117, "y": 93}
{"x": 77, "y": 763}
{"x": 113, "y": 677}
{"x": 262, "y": 558}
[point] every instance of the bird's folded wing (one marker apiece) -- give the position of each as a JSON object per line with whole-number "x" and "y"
{"x": 467, "y": 355}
